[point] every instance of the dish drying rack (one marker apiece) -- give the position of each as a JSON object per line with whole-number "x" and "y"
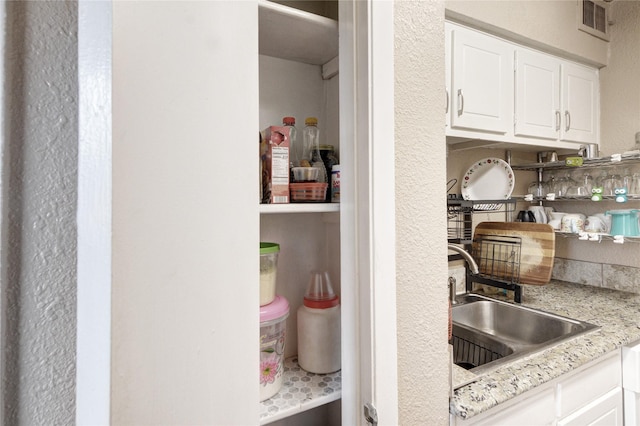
{"x": 497, "y": 256}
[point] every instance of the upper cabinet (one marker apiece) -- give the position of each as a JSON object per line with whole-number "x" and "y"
{"x": 554, "y": 99}
{"x": 580, "y": 99}
{"x": 481, "y": 82}
{"x": 499, "y": 92}
{"x": 537, "y": 95}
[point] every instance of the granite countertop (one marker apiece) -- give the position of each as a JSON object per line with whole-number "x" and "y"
{"x": 616, "y": 312}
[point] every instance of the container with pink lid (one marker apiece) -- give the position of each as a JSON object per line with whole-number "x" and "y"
{"x": 273, "y": 324}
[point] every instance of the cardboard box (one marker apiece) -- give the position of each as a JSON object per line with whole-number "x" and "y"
{"x": 274, "y": 156}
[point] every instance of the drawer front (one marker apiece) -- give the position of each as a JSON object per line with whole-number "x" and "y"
{"x": 590, "y": 384}
{"x": 605, "y": 411}
{"x": 537, "y": 409}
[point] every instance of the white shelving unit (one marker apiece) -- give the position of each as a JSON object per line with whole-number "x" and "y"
{"x": 311, "y": 42}
{"x": 299, "y": 208}
{"x": 301, "y": 391}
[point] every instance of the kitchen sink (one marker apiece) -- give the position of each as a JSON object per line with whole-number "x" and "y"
{"x": 488, "y": 332}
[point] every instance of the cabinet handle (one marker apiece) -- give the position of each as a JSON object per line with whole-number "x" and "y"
{"x": 446, "y": 94}
{"x": 460, "y": 102}
{"x": 557, "y": 121}
{"x": 567, "y": 120}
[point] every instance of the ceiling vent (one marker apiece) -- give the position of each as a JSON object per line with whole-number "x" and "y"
{"x": 593, "y": 18}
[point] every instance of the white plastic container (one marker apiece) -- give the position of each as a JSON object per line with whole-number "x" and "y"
{"x": 273, "y": 325}
{"x": 319, "y": 327}
{"x": 268, "y": 271}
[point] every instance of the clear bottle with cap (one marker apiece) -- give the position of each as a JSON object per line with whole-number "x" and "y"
{"x": 311, "y": 138}
{"x": 295, "y": 145}
{"x": 319, "y": 327}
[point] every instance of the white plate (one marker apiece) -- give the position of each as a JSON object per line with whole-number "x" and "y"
{"x": 488, "y": 179}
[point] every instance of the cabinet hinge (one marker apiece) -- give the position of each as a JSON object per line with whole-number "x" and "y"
{"x": 370, "y": 414}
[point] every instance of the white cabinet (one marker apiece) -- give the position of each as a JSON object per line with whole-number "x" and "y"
{"x": 176, "y": 90}
{"x": 481, "y": 81}
{"x": 631, "y": 383}
{"x": 537, "y": 409}
{"x": 590, "y": 396}
{"x": 580, "y": 100}
{"x": 537, "y": 95}
{"x": 502, "y": 92}
{"x": 555, "y": 99}
{"x": 604, "y": 411}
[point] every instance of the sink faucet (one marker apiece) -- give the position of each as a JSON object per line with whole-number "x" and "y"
{"x": 473, "y": 266}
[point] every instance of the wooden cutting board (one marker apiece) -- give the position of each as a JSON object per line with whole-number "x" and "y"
{"x": 538, "y": 247}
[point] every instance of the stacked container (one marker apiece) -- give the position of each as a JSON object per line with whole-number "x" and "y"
{"x": 274, "y": 311}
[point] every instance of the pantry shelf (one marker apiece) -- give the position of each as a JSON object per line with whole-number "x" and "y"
{"x": 301, "y": 391}
{"x": 299, "y": 208}
{"x": 316, "y": 37}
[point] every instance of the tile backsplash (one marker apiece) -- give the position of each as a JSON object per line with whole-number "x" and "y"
{"x": 615, "y": 277}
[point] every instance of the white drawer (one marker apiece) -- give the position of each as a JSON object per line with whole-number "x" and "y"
{"x": 592, "y": 383}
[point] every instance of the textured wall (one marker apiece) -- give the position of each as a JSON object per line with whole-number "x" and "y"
{"x": 423, "y": 362}
{"x": 41, "y": 163}
{"x": 619, "y": 82}
{"x": 620, "y": 120}
{"x": 551, "y": 24}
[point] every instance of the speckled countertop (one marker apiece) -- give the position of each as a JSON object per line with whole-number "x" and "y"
{"x": 617, "y": 313}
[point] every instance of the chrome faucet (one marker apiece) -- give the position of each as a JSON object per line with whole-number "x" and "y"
{"x": 473, "y": 266}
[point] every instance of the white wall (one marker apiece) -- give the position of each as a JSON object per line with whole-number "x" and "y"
{"x": 423, "y": 362}
{"x": 40, "y": 190}
{"x": 619, "y": 82}
{"x": 550, "y": 25}
{"x": 620, "y": 121}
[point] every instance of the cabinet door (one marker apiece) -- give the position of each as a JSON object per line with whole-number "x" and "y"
{"x": 537, "y": 97}
{"x": 482, "y": 82}
{"x": 580, "y": 97}
{"x": 605, "y": 411}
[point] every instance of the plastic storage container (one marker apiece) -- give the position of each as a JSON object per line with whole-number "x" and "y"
{"x": 319, "y": 349}
{"x": 624, "y": 222}
{"x": 268, "y": 271}
{"x": 308, "y": 192}
{"x": 273, "y": 325}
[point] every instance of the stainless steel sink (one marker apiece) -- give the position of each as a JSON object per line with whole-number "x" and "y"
{"x": 489, "y": 332}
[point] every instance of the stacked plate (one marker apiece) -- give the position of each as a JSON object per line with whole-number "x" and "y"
{"x": 488, "y": 179}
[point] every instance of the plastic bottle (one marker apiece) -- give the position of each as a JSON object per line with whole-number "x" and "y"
{"x": 311, "y": 137}
{"x": 295, "y": 145}
{"x": 319, "y": 327}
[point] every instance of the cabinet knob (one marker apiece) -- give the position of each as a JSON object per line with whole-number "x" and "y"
{"x": 557, "y": 120}
{"x": 567, "y": 121}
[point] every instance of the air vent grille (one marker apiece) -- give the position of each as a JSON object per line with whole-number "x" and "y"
{"x": 593, "y": 18}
